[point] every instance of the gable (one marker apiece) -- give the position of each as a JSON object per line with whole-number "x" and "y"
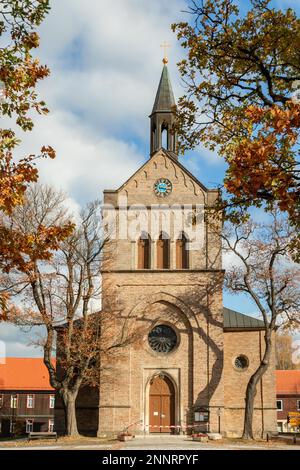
{"x": 186, "y": 189}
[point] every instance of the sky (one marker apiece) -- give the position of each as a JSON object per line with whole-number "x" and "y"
{"x": 106, "y": 60}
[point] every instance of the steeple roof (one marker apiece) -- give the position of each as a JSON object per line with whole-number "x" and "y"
{"x": 164, "y": 100}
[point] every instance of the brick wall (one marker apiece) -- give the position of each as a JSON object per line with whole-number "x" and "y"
{"x": 289, "y": 404}
{"x": 195, "y": 366}
{"x": 251, "y": 345}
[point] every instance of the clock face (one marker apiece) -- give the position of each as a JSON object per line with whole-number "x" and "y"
{"x": 162, "y": 187}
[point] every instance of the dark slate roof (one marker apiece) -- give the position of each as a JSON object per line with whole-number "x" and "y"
{"x": 236, "y": 320}
{"x": 164, "y": 100}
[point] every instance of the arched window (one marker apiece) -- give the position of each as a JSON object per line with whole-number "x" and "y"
{"x": 182, "y": 253}
{"x": 144, "y": 251}
{"x": 164, "y": 137}
{"x": 163, "y": 251}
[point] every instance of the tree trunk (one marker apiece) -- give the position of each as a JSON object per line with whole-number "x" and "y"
{"x": 69, "y": 399}
{"x": 252, "y": 387}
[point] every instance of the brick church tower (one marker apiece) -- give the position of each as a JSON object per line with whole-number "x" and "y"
{"x": 168, "y": 285}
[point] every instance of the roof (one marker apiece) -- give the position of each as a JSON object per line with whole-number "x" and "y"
{"x": 237, "y": 320}
{"x": 164, "y": 100}
{"x": 24, "y": 373}
{"x": 288, "y": 382}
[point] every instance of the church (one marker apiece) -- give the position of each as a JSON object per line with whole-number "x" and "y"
{"x": 190, "y": 366}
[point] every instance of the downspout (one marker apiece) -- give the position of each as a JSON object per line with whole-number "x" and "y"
{"x": 261, "y": 391}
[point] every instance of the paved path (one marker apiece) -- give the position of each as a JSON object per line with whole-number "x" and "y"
{"x": 157, "y": 442}
{"x": 167, "y": 442}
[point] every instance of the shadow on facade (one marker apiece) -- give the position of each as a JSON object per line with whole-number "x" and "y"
{"x": 199, "y": 317}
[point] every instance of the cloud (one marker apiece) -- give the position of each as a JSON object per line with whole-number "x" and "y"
{"x": 86, "y": 163}
{"x": 16, "y": 343}
{"x": 106, "y": 59}
{"x": 105, "y": 63}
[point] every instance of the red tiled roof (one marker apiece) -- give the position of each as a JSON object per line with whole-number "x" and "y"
{"x": 288, "y": 382}
{"x": 24, "y": 373}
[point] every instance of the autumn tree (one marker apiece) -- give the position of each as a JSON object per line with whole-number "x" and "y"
{"x": 19, "y": 74}
{"x": 285, "y": 350}
{"x": 262, "y": 268}
{"x": 62, "y": 294}
{"x": 241, "y": 72}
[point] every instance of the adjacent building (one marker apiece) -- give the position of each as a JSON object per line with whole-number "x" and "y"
{"x": 27, "y": 400}
{"x": 287, "y": 396}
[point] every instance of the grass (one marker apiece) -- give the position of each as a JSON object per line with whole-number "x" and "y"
{"x": 61, "y": 441}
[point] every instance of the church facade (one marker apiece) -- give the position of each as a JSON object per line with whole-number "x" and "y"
{"x": 185, "y": 360}
{"x": 190, "y": 367}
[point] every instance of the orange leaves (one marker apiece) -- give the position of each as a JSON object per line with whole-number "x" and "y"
{"x": 31, "y": 40}
{"x": 14, "y": 178}
{"x": 276, "y": 117}
{"x": 241, "y": 72}
{"x": 263, "y": 165}
{"x": 19, "y": 75}
{"x": 254, "y": 113}
{"x": 20, "y": 250}
{"x": 48, "y": 151}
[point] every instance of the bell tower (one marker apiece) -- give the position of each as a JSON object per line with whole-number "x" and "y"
{"x": 162, "y": 117}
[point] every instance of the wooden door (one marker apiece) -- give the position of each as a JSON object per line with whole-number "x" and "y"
{"x": 161, "y": 405}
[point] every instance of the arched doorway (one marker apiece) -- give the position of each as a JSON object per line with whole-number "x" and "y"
{"x": 161, "y": 405}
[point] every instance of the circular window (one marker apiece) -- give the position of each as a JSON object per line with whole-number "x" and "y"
{"x": 241, "y": 362}
{"x": 162, "y": 339}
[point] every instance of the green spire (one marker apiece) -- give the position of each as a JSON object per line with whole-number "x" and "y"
{"x": 164, "y": 101}
{"x": 162, "y": 118}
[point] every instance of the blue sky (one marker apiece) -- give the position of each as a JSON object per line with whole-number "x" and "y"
{"x": 105, "y": 61}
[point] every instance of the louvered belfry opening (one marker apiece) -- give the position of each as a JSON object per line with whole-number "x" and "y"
{"x": 182, "y": 252}
{"x": 163, "y": 251}
{"x": 144, "y": 251}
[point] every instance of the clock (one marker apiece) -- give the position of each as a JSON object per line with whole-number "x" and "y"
{"x": 162, "y": 187}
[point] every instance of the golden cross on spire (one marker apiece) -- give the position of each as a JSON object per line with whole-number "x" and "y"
{"x": 165, "y": 45}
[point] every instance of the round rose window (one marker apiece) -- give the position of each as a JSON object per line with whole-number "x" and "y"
{"x": 241, "y": 362}
{"x": 162, "y": 339}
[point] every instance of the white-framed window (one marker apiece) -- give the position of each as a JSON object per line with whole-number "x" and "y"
{"x": 279, "y": 426}
{"x": 29, "y": 425}
{"x": 51, "y": 425}
{"x": 30, "y": 401}
{"x": 14, "y": 401}
{"x": 298, "y": 405}
{"x": 201, "y": 416}
{"x": 51, "y": 401}
{"x": 279, "y": 404}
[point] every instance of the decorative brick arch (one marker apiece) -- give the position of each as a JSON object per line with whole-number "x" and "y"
{"x": 184, "y": 311}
